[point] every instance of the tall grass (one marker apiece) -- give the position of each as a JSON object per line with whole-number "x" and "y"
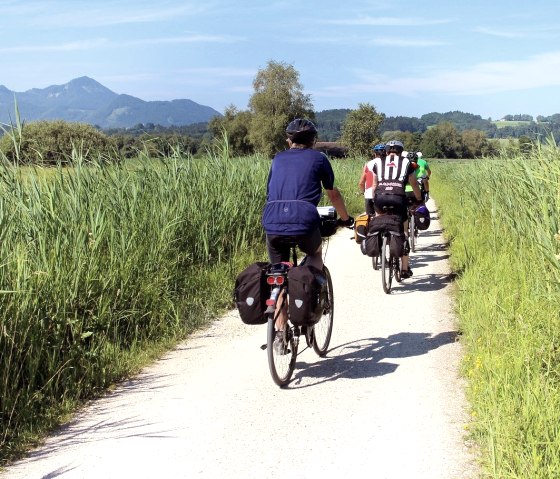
{"x": 502, "y": 218}
{"x": 103, "y": 265}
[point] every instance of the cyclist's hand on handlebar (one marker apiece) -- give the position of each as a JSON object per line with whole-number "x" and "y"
{"x": 348, "y": 223}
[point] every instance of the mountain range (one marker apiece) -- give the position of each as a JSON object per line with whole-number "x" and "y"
{"x": 85, "y": 100}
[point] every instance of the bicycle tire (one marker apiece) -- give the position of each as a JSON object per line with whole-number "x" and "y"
{"x": 396, "y": 268}
{"x": 386, "y": 265}
{"x": 281, "y": 366}
{"x": 411, "y": 231}
{"x": 322, "y": 330}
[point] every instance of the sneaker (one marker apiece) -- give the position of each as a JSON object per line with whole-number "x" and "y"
{"x": 278, "y": 344}
{"x": 406, "y": 274}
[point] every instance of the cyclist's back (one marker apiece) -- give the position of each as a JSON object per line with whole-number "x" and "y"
{"x": 391, "y": 176}
{"x": 295, "y": 182}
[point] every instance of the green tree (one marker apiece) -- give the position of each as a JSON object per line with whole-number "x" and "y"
{"x": 49, "y": 142}
{"x": 361, "y": 129}
{"x": 277, "y": 100}
{"x": 236, "y": 125}
{"x": 442, "y": 141}
{"x": 475, "y": 144}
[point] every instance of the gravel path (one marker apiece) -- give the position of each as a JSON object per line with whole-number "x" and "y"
{"x": 386, "y": 401}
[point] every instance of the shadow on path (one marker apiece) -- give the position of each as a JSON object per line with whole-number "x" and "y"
{"x": 363, "y": 358}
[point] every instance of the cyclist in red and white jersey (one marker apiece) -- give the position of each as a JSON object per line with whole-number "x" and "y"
{"x": 366, "y": 180}
{"x": 390, "y": 176}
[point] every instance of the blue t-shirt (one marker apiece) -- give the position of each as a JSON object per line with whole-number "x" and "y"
{"x": 294, "y": 191}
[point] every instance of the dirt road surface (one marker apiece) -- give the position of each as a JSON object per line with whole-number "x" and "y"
{"x": 386, "y": 402}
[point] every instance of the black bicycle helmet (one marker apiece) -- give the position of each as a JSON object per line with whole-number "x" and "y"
{"x": 301, "y": 131}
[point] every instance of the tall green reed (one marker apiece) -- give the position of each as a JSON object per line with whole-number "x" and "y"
{"x": 501, "y": 216}
{"x": 103, "y": 259}
{"x": 98, "y": 260}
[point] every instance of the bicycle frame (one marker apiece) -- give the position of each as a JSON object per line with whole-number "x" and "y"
{"x": 282, "y": 363}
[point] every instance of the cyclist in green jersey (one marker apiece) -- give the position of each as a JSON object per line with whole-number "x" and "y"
{"x": 423, "y": 171}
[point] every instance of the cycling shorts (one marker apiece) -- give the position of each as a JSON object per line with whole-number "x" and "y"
{"x": 279, "y": 245}
{"x": 397, "y": 202}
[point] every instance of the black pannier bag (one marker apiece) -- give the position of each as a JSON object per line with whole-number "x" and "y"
{"x": 307, "y": 295}
{"x": 251, "y": 292}
{"x": 422, "y": 217}
{"x": 397, "y": 244}
{"x": 371, "y": 246}
{"x": 378, "y": 225}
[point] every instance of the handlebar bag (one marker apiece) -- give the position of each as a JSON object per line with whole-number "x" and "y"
{"x": 307, "y": 295}
{"x": 250, "y": 293}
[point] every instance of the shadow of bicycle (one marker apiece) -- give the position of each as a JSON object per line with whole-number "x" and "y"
{"x": 364, "y": 358}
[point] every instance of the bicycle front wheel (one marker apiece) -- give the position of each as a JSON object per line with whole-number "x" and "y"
{"x": 322, "y": 330}
{"x": 281, "y": 360}
{"x": 411, "y": 233}
{"x": 386, "y": 265}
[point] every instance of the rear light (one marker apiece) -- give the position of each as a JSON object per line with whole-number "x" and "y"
{"x": 275, "y": 280}
{"x": 270, "y": 302}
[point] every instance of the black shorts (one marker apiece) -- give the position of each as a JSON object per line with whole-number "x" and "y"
{"x": 370, "y": 210}
{"x": 279, "y": 245}
{"x": 397, "y": 202}
{"x": 410, "y": 198}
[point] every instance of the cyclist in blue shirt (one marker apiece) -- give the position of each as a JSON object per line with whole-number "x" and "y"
{"x": 295, "y": 183}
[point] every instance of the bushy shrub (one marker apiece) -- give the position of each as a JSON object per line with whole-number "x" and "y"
{"x": 51, "y": 142}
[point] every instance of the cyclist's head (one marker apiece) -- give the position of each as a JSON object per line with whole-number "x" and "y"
{"x": 379, "y": 149}
{"x": 301, "y": 131}
{"x": 419, "y": 154}
{"x": 411, "y": 155}
{"x": 394, "y": 146}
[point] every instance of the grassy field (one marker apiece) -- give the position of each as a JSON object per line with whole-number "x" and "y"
{"x": 502, "y": 219}
{"x": 103, "y": 267}
{"x": 504, "y": 123}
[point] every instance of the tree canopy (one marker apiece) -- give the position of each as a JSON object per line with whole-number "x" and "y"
{"x": 361, "y": 129}
{"x": 278, "y": 99}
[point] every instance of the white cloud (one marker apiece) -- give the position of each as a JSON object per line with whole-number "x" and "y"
{"x": 485, "y": 78}
{"x": 98, "y": 43}
{"x": 76, "y": 16}
{"x": 539, "y": 32}
{"x": 361, "y": 41}
{"x": 191, "y": 38}
{"x": 60, "y": 47}
{"x": 402, "y": 42}
{"x": 387, "y": 21}
{"x": 221, "y": 71}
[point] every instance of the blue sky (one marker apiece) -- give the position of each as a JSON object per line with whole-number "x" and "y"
{"x": 490, "y": 57}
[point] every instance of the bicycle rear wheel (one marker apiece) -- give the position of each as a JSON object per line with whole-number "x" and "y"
{"x": 386, "y": 265}
{"x": 322, "y": 330}
{"x": 281, "y": 363}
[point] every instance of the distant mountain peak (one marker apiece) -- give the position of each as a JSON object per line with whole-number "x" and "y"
{"x": 85, "y": 100}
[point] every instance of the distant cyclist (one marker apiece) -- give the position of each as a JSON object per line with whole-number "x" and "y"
{"x": 423, "y": 171}
{"x": 390, "y": 176}
{"x": 296, "y": 179}
{"x": 366, "y": 180}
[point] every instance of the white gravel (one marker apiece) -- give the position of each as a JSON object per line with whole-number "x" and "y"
{"x": 386, "y": 402}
